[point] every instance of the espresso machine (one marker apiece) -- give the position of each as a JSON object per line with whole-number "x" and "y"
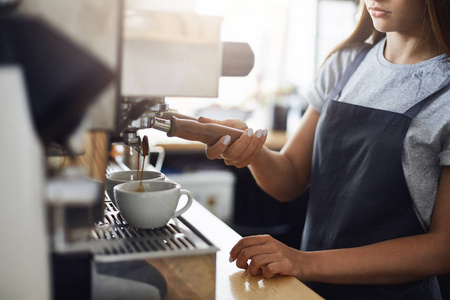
{"x": 76, "y": 77}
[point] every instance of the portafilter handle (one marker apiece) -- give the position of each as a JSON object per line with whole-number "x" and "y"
{"x": 192, "y": 130}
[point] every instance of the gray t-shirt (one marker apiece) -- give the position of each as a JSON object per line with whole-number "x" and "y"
{"x": 378, "y": 83}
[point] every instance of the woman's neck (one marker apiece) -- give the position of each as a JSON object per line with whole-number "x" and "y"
{"x": 408, "y": 49}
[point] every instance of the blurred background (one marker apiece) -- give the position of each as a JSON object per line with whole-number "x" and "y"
{"x": 290, "y": 39}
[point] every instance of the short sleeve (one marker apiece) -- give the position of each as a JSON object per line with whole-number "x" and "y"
{"x": 329, "y": 74}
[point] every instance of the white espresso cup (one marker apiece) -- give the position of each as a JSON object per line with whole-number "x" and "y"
{"x": 115, "y": 178}
{"x": 152, "y": 208}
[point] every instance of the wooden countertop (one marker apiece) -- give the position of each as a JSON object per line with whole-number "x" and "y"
{"x": 235, "y": 283}
{"x": 232, "y": 282}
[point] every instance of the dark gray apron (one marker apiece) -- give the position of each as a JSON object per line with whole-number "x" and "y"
{"x": 358, "y": 193}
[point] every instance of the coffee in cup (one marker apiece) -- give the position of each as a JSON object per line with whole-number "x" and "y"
{"x": 153, "y": 207}
{"x": 115, "y": 178}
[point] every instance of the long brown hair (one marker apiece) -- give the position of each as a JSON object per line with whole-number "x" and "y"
{"x": 438, "y": 12}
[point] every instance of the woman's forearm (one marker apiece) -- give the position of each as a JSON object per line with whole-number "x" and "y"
{"x": 276, "y": 175}
{"x": 286, "y": 174}
{"x": 393, "y": 261}
{"x": 389, "y": 262}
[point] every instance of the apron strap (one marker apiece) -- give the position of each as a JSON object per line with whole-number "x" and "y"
{"x": 348, "y": 73}
{"x": 414, "y": 111}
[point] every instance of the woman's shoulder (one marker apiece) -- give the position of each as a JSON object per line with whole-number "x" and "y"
{"x": 335, "y": 65}
{"x": 330, "y": 73}
{"x": 343, "y": 56}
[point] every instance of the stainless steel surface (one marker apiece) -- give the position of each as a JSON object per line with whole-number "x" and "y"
{"x": 238, "y": 59}
{"x": 175, "y": 239}
{"x": 162, "y": 124}
{"x": 171, "y": 54}
{"x": 136, "y": 114}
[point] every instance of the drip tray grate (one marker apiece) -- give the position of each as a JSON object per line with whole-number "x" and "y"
{"x": 120, "y": 241}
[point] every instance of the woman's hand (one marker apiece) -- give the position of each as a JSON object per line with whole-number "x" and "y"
{"x": 262, "y": 254}
{"x": 242, "y": 152}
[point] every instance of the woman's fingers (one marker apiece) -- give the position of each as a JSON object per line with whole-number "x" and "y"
{"x": 242, "y": 152}
{"x": 247, "y": 242}
{"x": 215, "y": 151}
{"x": 237, "y": 149}
{"x": 246, "y": 153}
{"x": 259, "y": 255}
{"x": 220, "y": 149}
{"x": 264, "y": 255}
{"x": 261, "y": 261}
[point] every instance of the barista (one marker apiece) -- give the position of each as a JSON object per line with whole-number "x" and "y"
{"x": 374, "y": 149}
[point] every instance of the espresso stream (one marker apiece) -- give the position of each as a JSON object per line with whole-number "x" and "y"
{"x": 145, "y": 149}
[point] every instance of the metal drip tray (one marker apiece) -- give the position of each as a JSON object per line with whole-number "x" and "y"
{"x": 120, "y": 241}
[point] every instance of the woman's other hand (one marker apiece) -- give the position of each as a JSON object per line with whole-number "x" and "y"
{"x": 262, "y": 254}
{"x": 242, "y": 152}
